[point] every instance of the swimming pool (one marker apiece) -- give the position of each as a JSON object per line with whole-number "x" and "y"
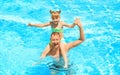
{"x": 21, "y": 45}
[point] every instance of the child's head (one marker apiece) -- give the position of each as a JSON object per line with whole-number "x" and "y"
{"x": 55, "y": 15}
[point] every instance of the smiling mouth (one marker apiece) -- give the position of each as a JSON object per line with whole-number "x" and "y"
{"x": 55, "y": 44}
{"x": 56, "y": 21}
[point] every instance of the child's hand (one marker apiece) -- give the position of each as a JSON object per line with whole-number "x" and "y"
{"x": 29, "y": 24}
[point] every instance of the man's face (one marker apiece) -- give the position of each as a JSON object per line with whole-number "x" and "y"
{"x": 55, "y": 40}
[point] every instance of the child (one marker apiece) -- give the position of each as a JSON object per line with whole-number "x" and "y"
{"x": 56, "y": 24}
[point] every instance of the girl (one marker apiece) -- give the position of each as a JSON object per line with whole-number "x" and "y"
{"x": 56, "y": 24}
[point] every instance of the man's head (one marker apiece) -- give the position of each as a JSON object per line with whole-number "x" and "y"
{"x": 55, "y": 15}
{"x": 55, "y": 38}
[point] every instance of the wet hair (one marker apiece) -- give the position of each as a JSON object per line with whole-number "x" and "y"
{"x": 55, "y": 33}
{"x": 55, "y": 14}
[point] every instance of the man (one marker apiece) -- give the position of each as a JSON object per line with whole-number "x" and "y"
{"x": 54, "y": 48}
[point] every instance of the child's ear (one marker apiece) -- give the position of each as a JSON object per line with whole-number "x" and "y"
{"x": 51, "y": 11}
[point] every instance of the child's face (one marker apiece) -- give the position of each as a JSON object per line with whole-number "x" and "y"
{"x": 55, "y": 20}
{"x": 55, "y": 15}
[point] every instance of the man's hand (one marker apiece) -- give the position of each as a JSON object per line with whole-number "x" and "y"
{"x": 35, "y": 63}
{"x": 76, "y": 21}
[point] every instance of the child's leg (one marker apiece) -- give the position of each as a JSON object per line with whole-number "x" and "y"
{"x": 63, "y": 46}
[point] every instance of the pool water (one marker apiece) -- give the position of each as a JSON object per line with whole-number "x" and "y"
{"x": 21, "y": 45}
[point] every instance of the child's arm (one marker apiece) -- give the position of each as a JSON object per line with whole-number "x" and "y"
{"x": 64, "y": 54}
{"x": 40, "y": 25}
{"x": 68, "y": 25}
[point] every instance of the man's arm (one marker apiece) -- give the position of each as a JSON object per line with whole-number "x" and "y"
{"x": 80, "y": 40}
{"x": 40, "y": 25}
{"x": 46, "y": 51}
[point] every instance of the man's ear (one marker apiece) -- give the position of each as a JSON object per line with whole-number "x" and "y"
{"x": 51, "y": 11}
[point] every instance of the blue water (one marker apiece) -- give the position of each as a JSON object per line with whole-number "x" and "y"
{"x": 21, "y": 45}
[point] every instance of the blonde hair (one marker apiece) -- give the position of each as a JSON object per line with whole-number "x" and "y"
{"x": 55, "y": 33}
{"x": 55, "y": 14}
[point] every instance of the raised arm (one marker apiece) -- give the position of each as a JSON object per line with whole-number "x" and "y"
{"x": 68, "y": 25}
{"x": 40, "y": 25}
{"x": 81, "y": 39}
